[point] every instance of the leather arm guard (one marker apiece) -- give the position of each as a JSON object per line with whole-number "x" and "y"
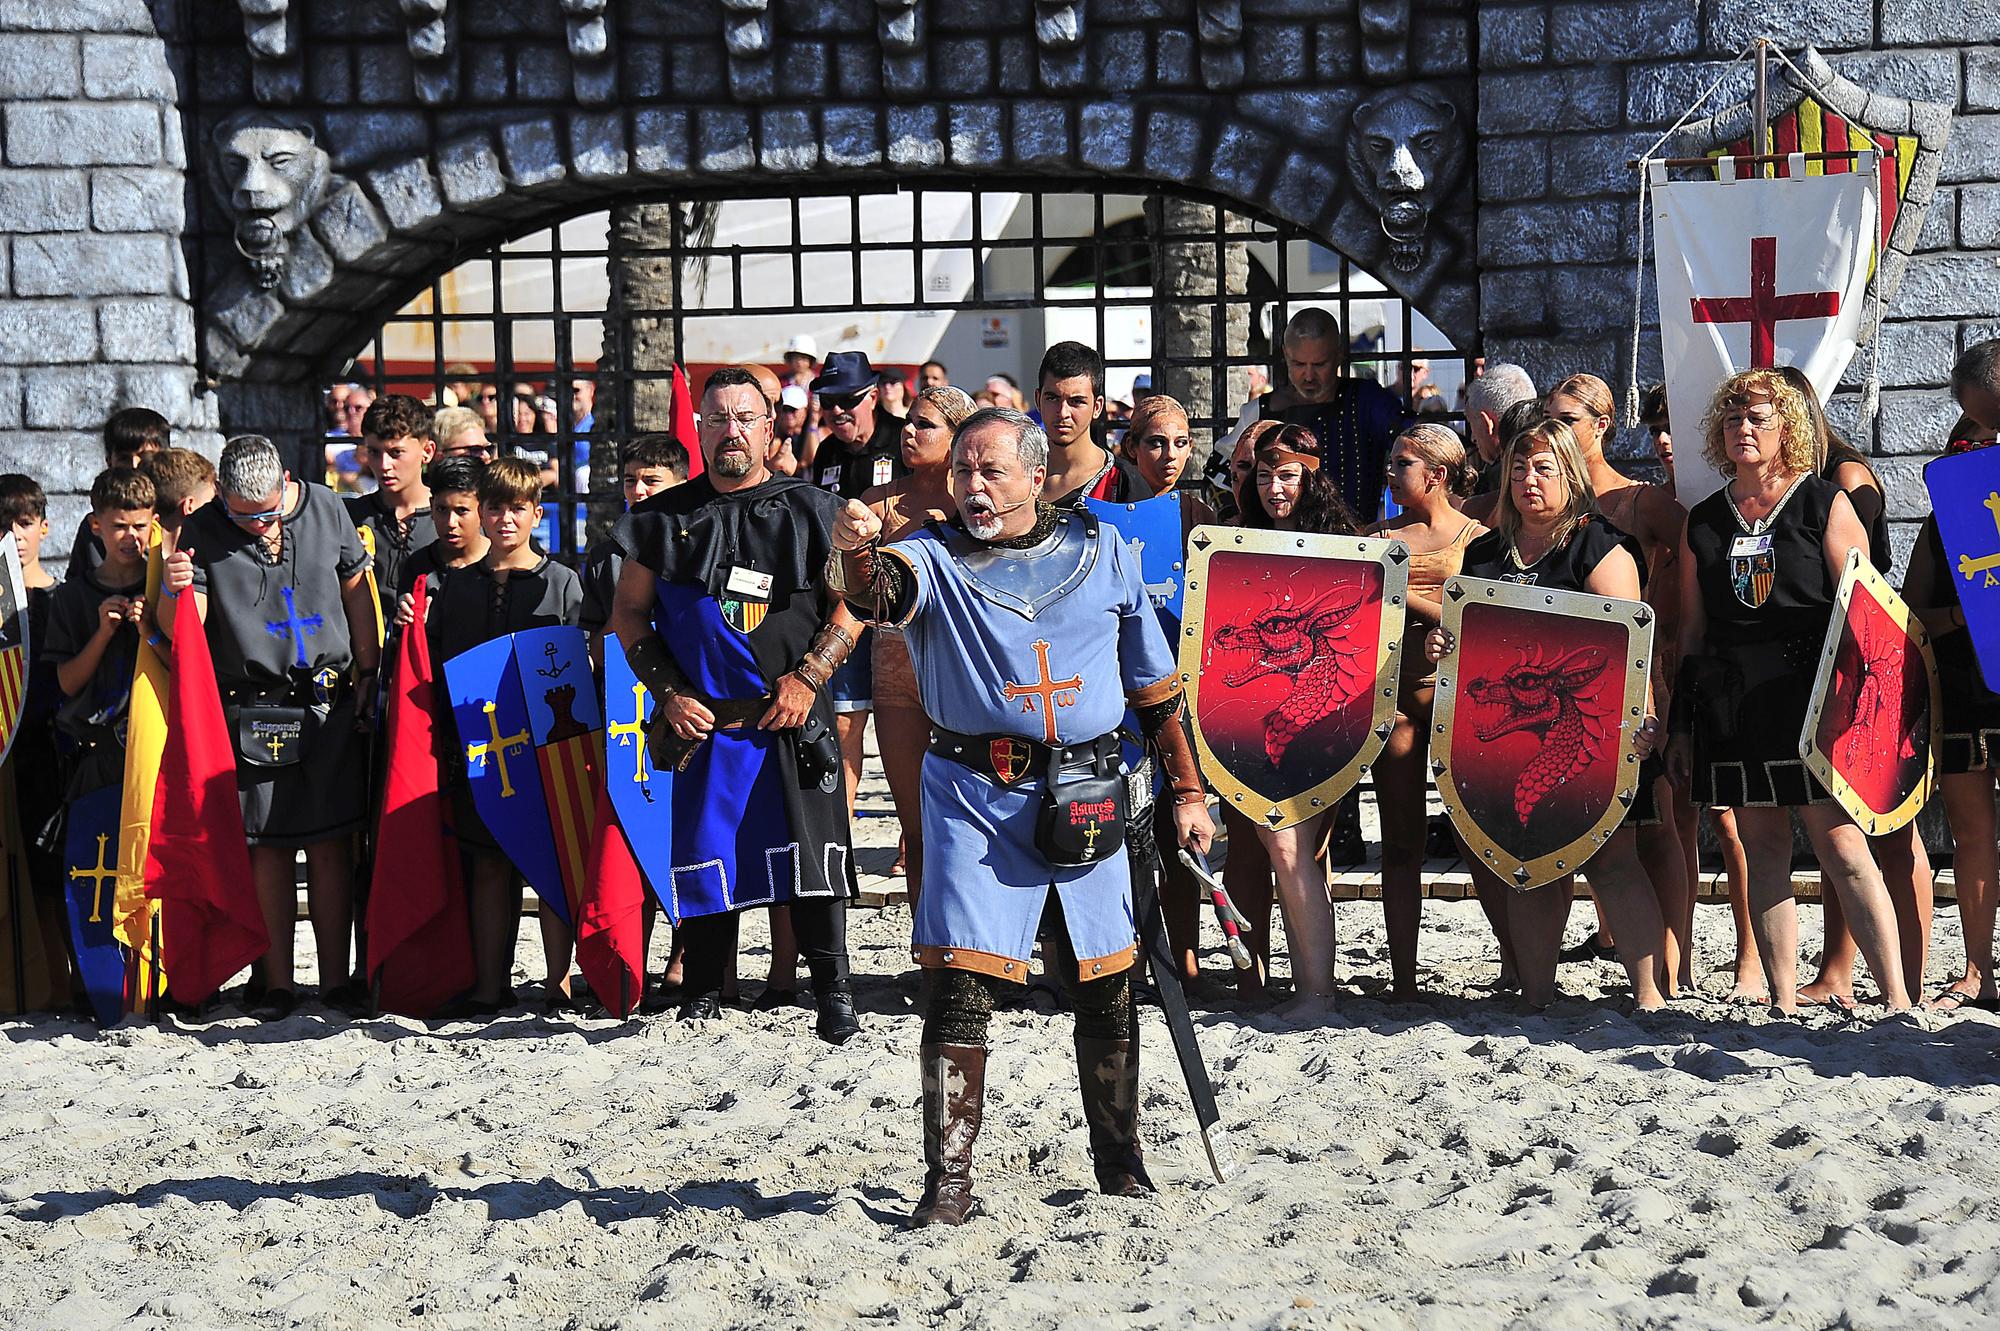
{"x": 830, "y": 647}
{"x": 654, "y": 666}
{"x": 1172, "y": 741}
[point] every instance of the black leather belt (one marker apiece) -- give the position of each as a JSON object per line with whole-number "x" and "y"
{"x": 1011, "y": 760}
{"x": 297, "y": 693}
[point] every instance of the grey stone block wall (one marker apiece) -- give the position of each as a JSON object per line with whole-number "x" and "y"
{"x": 96, "y": 313}
{"x": 120, "y": 275}
{"x": 1557, "y": 208}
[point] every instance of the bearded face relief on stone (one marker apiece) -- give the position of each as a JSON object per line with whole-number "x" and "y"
{"x": 273, "y": 176}
{"x": 1405, "y": 149}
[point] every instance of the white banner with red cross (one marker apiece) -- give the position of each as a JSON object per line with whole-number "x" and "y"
{"x": 1756, "y": 272}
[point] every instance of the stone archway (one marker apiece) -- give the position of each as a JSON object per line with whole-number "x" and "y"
{"x": 317, "y": 223}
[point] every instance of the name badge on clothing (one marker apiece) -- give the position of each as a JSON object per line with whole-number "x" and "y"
{"x": 748, "y": 582}
{"x": 829, "y": 477}
{"x": 1753, "y": 569}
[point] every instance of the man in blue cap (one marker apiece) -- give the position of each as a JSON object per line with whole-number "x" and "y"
{"x": 861, "y": 444}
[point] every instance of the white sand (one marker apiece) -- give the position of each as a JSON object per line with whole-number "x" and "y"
{"x": 1446, "y": 1166}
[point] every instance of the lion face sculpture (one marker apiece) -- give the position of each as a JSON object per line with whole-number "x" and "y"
{"x": 273, "y": 176}
{"x": 1404, "y": 149}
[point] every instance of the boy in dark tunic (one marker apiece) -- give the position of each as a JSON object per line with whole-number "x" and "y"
{"x": 92, "y": 640}
{"x": 24, "y": 511}
{"x": 651, "y": 463}
{"x": 457, "y": 539}
{"x": 131, "y": 435}
{"x": 277, "y": 574}
{"x": 512, "y": 587}
{"x": 396, "y": 446}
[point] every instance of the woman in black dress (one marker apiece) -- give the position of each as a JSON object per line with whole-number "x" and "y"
{"x": 1906, "y": 868}
{"x": 1549, "y": 534}
{"x": 1759, "y": 564}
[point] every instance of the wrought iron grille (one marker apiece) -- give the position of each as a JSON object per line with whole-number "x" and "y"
{"x": 997, "y": 272}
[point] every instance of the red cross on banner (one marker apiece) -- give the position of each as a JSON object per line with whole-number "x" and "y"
{"x": 1764, "y": 307}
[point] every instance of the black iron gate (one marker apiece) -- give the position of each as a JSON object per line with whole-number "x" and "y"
{"x": 517, "y": 328}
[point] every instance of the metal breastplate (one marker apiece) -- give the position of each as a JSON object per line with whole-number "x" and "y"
{"x": 1030, "y": 580}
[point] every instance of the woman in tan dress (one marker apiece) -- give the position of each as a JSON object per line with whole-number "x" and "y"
{"x": 905, "y": 505}
{"x": 1425, "y": 463}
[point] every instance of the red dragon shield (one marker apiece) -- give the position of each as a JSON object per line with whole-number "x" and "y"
{"x": 1289, "y": 653}
{"x": 1536, "y": 706}
{"x": 1871, "y": 733}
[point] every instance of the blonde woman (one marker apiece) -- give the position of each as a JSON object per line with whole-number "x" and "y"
{"x": 1760, "y": 559}
{"x": 904, "y": 505}
{"x": 1550, "y": 534}
{"x": 1425, "y": 464}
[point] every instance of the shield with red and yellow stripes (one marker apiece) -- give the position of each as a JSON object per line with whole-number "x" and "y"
{"x": 14, "y": 646}
{"x": 1813, "y": 128}
{"x": 566, "y": 726}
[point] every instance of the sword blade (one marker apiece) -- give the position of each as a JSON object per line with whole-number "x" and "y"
{"x": 1180, "y": 1024}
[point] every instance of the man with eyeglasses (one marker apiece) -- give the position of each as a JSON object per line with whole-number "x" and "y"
{"x": 724, "y": 615}
{"x": 274, "y": 569}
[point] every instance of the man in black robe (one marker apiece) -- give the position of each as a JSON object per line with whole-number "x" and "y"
{"x": 725, "y": 619}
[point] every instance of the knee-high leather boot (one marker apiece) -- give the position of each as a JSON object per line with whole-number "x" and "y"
{"x": 1108, "y": 1074}
{"x": 954, "y": 1103}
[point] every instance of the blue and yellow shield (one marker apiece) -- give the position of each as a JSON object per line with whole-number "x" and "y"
{"x": 1152, "y": 528}
{"x": 1965, "y": 496}
{"x": 641, "y": 794}
{"x": 90, "y": 887}
{"x": 496, "y": 750}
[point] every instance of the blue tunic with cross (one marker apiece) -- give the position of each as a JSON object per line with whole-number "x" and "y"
{"x": 1061, "y": 677}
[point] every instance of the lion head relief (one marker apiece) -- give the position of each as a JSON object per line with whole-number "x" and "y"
{"x": 1404, "y": 149}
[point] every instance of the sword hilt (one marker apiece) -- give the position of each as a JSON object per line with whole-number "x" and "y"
{"x": 1232, "y": 920}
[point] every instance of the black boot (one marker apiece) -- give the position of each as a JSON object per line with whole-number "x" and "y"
{"x": 837, "y": 1022}
{"x": 954, "y": 1102}
{"x": 1108, "y": 1073}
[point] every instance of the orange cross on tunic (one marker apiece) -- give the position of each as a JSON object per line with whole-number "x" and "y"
{"x": 1051, "y": 693}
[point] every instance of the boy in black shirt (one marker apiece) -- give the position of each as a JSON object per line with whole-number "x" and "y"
{"x": 93, "y": 633}
{"x": 651, "y": 463}
{"x": 513, "y": 587}
{"x": 457, "y": 540}
{"x": 131, "y": 435}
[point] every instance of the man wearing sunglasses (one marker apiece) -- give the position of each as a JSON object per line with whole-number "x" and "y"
{"x": 861, "y": 443}
{"x": 274, "y": 569}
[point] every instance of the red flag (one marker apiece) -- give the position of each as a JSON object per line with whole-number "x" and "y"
{"x": 684, "y": 427}
{"x": 610, "y": 927}
{"x": 198, "y": 859}
{"x": 419, "y": 935}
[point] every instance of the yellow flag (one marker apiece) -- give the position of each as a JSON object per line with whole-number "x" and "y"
{"x": 374, "y": 590}
{"x": 145, "y": 737}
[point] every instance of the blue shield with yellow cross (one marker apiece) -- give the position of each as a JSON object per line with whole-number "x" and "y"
{"x": 1965, "y": 496}
{"x": 496, "y": 751}
{"x": 641, "y": 794}
{"x": 90, "y": 889}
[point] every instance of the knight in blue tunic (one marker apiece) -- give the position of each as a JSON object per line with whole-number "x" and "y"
{"x": 726, "y": 621}
{"x": 1030, "y": 632}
